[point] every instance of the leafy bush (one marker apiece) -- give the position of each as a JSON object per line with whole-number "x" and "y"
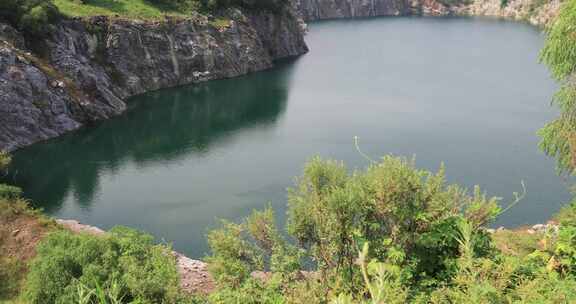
{"x": 4, "y": 160}
{"x": 252, "y": 291}
{"x": 427, "y": 245}
{"x": 255, "y": 244}
{"x": 558, "y": 138}
{"x": 125, "y": 265}
{"x": 412, "y": 215}
{"x": 6, "y": 191}
{"x": 31, "y": 16}
{"x": 567, "y": 215}
{"x": 10, "y": 275}
{"x": 565, "y": 251}
{"x": 477, "y": 280}
{"x": 9, "y": 192}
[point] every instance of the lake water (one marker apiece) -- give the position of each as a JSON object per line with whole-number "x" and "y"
{"x": 466, "y": 92}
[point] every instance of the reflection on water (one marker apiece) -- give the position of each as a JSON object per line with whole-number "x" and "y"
{"x": 167, "y": 126}
{"x": 467, "y": 92}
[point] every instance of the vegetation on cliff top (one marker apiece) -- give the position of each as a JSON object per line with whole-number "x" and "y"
{"x": 139, "y": 9}
{"x": 34, "y": 17}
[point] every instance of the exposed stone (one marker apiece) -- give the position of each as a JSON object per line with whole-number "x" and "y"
{"x": 330, "y": 9}
{"x": 107, "y": 60}
{"x": 11, "y": 36}
{"x": 77, "y": 227}
{"x": 533, "y": 11}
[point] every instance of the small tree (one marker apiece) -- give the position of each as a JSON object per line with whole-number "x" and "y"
{"x": 558, "y": 138}
{"x": 409, "y": 215}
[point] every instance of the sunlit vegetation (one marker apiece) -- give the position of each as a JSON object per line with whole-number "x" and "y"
{"x": 391, "y": 233}
{"x": 125, "y": 265}
{"x": 420, "y": 241}
{"x": 35, "y": 17}
{"x": 559, "y": 53}
{"x": 141, "y": 9}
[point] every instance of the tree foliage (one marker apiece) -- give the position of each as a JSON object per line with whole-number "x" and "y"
{"x": 410, "y": 215}
{"x": 558, "y": 138}
{"x": 420, "y": 240}
{"x": 31, "y": 16}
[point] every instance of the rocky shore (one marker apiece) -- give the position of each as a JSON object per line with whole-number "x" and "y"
{"x": 91, "y": 66}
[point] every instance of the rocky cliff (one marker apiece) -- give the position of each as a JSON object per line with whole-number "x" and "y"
{"x": 537, "y": 12}
{"x": 330, "y": 9}
{"x": 91, "y": 66}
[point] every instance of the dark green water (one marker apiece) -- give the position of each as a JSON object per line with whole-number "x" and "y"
{"x": 468, "y": 92}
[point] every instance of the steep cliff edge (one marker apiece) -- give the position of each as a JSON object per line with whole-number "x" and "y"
{"x": 93, "y": 65}
{"x": 537, "y": 12}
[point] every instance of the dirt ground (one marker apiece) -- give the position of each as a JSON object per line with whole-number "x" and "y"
{"x": 19, "y": 235}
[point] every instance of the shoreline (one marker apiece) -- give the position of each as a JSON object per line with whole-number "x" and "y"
{"x": 196, "y": 279}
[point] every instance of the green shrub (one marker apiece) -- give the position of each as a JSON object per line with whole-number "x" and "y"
{"x": 412, "y": 215}
{"x": 567, "y": 215}
{"x": 32, "y": 16}
{"x": 9, "y": 192}
{"x": 11, "y": 272}
{"x": 503, "y": 279}
{"x": 565, "y": 250}
{"x": 125, "y": 264}
{"x": 5, "y": 160}
{"x": 558, "y": 138}
{"x": 255, "y": 244}
{"x": 252, "y": 291}
{"x": 6, "y": 191}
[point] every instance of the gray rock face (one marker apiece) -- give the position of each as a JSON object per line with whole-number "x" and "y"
{"x": 96, "y": 64}
{"x": 31, "y": 109}
{"x": 330, "y": 9}
{"x": 10, "y": 35}
{"x": 536, "y": 12}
